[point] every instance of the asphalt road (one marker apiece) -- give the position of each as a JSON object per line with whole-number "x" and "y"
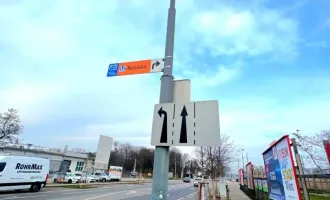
{"x": 177, "y": 191}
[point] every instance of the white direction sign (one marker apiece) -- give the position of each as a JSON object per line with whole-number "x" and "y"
{"x": 186, "y": 124}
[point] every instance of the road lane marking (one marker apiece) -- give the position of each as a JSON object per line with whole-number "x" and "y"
{"x": 102, "y": 196}
{"x": 23, "y": 197}
{"x": 84, "y": 191}
{"x": 131, "y": 192}
{"x": 188, "y": 196}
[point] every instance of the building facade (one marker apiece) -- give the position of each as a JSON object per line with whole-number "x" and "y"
{"x": 61, "y": 160}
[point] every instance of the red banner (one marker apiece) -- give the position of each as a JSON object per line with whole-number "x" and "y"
{"x": 326, "y": 144}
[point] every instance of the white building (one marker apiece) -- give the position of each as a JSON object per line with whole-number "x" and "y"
{"x": 60, "y": 159}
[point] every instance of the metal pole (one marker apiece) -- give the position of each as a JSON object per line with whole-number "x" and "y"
{"x": 243, "y": 159}
{"x": 161, "y": 159}
{"x": 238, "y": 164}
{"x": 247, "y": 159}
{"x": 300, "y": 168}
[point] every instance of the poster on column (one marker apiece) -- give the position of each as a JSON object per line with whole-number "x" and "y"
{"x": 241, "y": 177}
{"x": 280, "y": 171}
{"x": 249, "y": 173}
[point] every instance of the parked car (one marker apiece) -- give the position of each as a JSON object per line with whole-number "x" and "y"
{"x": 84, "y": 176}
{"x": 67, "y": 177}
{"x": 100, "y": 176}
{"x": 134, "y": 174}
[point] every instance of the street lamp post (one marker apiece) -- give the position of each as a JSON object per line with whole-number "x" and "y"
{"x": 243, "y": 158}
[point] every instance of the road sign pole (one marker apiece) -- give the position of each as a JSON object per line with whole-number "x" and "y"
{"x": 161, "y": 160}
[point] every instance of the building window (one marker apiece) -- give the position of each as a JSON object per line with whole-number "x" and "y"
{"x": 80, "y": 166}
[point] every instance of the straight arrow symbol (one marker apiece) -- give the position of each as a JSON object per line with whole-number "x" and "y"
{"x": 163, "y": 136}
{"x": 183, "y": 132}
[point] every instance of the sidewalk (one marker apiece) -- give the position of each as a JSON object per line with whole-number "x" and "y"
{"x": 235, "y": 192}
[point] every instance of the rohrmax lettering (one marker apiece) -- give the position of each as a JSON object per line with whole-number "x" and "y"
{"x": 27, "y": 166}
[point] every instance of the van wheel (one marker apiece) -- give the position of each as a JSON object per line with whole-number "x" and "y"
{"x": 104, "y": 180}
{"x": 70, "y": 181}
{"x": 55, "y": 180}
{"x": 35, "y": 187}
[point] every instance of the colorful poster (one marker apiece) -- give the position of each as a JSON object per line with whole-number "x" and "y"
{"x": 264, "y": 185}
{"x": 249, "y": 176}
{"x": 255, "y": 172}
{"x": 262, "y": 172}
{"x": 259, "y": 184}
{"x": 256, "y": 183}
{"x": 280, "y": 172}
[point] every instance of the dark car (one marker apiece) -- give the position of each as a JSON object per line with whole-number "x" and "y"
{"x": 186, "y": 179}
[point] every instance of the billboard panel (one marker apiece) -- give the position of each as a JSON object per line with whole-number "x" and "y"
{"x": 280, "y": 171}
{"x": 103, "y": 153}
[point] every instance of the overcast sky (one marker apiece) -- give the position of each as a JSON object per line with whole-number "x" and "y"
{"x": 266, "y": 62}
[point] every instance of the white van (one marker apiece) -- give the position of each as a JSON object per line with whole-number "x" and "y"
{"x": 21, "y": 172}
{"x": 115, "y": 173}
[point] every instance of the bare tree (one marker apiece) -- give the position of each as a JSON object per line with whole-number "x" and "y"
{"x": 312, "y": 147}
{"x": 227, "y": 153}
{"x": 10, "y": 126}
{"x": 213, "y": 159}
{"x": 184, "y": 160}
{"x": 175, "y": 161}
{"x": 216, "y": 160}
{"x": 200, "y": 158}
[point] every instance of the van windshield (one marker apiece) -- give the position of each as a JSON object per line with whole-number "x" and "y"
{"x": 2, "y": 166}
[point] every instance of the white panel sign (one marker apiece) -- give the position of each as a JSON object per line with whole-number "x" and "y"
{"x": 157, "y": 65}
{"x": 222, "y": 187}
{"x": 103, "y": 152}
{"x": 186, "y": 124}
{"x": 181, "y": 91}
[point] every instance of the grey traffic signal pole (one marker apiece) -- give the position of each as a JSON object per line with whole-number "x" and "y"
{"x": 161, "y": 159}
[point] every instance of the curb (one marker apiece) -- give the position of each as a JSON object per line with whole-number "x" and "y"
{"x": 96, "y": 184}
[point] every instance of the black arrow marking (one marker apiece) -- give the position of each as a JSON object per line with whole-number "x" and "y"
{"x": 155, "y": 64}
{"x": 163, "y": 136}
{"x": 183, "y": 133}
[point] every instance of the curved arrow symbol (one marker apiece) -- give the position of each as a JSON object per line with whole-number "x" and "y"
{"x": 183, "y": 132}
{"x": 155, "y": 64}
{"x": 163, "y": 136}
